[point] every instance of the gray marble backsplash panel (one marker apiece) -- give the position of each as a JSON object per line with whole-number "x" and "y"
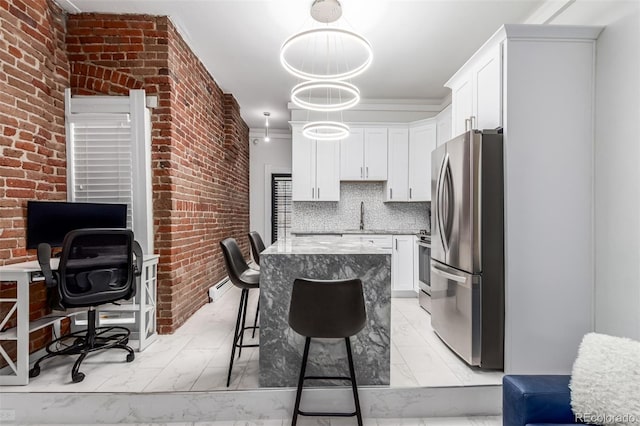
{"x": 345, "y": 214}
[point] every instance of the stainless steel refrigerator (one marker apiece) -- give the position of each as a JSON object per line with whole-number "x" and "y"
{"x": 467, "y": 247}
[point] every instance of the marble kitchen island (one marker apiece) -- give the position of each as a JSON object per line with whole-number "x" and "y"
{"x": 323, "y": 258}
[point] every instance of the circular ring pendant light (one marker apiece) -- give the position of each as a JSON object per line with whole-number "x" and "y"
{"x": 351, "y": 72}
{"x": 351, "y": 99}
{"x": 325, "y": 130}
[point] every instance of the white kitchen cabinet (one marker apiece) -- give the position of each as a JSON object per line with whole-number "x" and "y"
{"x": 397, "y": 186}
{"x": 476, "y": 94}
{"x": 461, "y": 104}
{"x": 422, "y": 140}
{"x": 378, "y": 240}
{"x": 402, "y": 266}
{"x": 327, "y": 171}
{"x": 538, "y": 83}
{"x": 315, "y": 173}
{"x": 363, "y": 155}
{"x": 352, "y": 155}
{"x": 443, "y": 126}
{"x": 375, "y": 154}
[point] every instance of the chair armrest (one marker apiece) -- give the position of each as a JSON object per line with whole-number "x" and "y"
{"x": 530, "y": 399}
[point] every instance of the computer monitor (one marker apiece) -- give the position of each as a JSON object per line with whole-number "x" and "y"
{"x": 49, "y": 221}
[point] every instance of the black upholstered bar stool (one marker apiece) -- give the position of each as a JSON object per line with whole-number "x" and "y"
{"x": 246, "y": 279}
{"x": 257, "y": 247}
{"x": 327, "y": 309}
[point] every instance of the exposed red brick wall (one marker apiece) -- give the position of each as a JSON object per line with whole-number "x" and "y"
{"x": 200, "y": 147}
{"x": 209, "y": 171}
{"x": 33, "y": 74}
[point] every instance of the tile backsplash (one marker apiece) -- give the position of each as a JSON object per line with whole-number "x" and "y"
{"x": 345, "y": 214}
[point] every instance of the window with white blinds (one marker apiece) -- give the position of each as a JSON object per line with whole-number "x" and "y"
{"x": 109, "y": 156}
{"x": 102, "y": 161}
{"x": 280, "y": 206}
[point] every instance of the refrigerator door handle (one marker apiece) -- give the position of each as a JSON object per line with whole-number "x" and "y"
{"x": 437, "y": 201}
{"x": 442, "y": 225}
{"x": 460, "y": 280}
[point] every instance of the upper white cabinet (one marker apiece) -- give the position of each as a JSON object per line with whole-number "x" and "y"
{"x": 476, "y": 93}
{"x": 363, "y": 155}
{"x": 443, "y": 124}
{"x": 315, "y": 170}
{"x": 410, "y": 162}
{"x": 422, "y": 140}
{"x": 352, "y": 155}
{"x": 397, "y": 187}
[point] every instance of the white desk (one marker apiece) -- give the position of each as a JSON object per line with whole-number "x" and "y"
{"x": 143, "y": 305}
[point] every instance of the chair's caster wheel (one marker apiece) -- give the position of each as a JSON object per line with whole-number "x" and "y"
{"x": 34, "y": 372}
{"x": 130, "y": 357}
{"x": 77, "y": 378}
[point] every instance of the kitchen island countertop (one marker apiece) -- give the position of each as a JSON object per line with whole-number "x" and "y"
{"x": 323, "y": 245}
{"x": 339, "y": 232}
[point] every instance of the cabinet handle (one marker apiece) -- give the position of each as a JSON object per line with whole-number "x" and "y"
{"x": 318, "y": 192}
{"x": 391, "y": 193}
{"x": 410, "y": 192}
{"x": 312, "y": 192}
{"x": 367, "y": 172}
{"x": 361, "y": 173}
{"x": 469, "y": 123}
{"x": 396, "y": 245}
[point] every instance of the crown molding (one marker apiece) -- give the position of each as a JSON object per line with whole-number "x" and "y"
{"x": 274, "y": 134}
{"x": 548, "y": 11}
{"x": 406, "y": 105}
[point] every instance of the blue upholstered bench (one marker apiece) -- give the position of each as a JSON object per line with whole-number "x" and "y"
{"x": 536, "y": 400}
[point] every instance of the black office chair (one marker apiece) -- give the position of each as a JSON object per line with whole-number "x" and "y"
{"x": 257, "y": 247}
{"x": 328, "y": 310}
{"x": 246, "y": 279}
{"x": 96, "y": 267}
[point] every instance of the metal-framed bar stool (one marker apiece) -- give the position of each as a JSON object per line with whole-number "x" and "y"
{"x": 327, "y": 309}
{"x": 246, "y": 279}
{"x": 257, "y": 247}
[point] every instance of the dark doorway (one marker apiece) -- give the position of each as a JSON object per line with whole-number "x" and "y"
{"x": 280, "y": 206}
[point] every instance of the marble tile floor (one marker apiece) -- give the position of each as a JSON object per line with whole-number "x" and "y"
{"x": 322, "y": 421}
{"x": 196, "y": 357}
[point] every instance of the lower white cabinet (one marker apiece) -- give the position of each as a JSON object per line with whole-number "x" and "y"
{"x": 402, "y": 268}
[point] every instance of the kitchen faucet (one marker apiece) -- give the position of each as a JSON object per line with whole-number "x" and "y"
{"x": 361, "y": 215}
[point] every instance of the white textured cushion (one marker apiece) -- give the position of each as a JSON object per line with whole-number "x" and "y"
{"x": 605, "y": 381}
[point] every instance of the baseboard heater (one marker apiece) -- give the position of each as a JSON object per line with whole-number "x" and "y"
{"x": 219, "y": 289}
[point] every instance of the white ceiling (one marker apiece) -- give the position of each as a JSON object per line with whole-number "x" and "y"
{"x": 417, "y": 44}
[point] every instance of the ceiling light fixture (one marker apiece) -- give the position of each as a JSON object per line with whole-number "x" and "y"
{"x": 330, "y": 86}
{"x": 266, "y": 126}
{"x": 326, "y": 11}
{"x": 327, "y": 56}
{"x": 325, "y": 130}
{"x": 331, "y": 39}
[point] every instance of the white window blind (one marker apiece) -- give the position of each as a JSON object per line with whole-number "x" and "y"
{"x": 109, "y": 156}
{"x": 102, "y": 161}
